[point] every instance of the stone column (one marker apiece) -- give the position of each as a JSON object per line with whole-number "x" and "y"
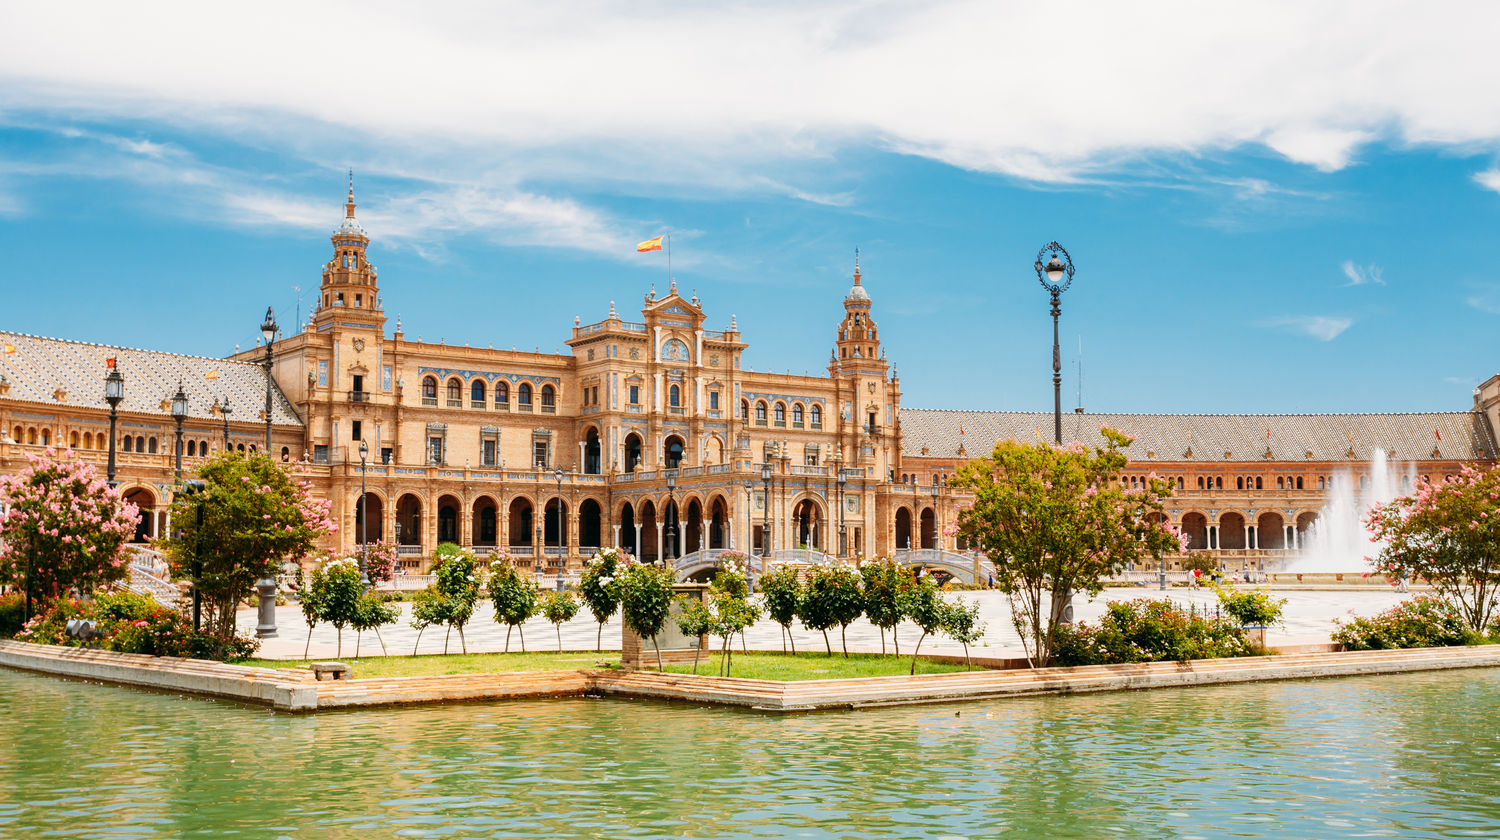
{"x": 703, "y": 541}
{"x": 661, "y": 548}
{"x": 1249, "y": 536}
{"x": 638, "y": 550}
{"x": 616, "y": 543}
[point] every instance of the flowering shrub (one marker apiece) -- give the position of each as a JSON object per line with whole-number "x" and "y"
{"x": 1446, "y": 532}
{"x": 961, "y": 623}
{"x": 559, "y": 607}
{"x": 884, "y": 580}
{"x": 67, "y": 519}
{"x": 782, "y": 593}
{"x": 336, "y": 591}
{"x": 834, "y": 597}
{"x": 598, "y": 588}
{"x": 646, "y": 600}
{"x": 1250, "y": 607}
{"x": 516, "y": 599}
{"x": 12, "y": 611}
{"x": 381, "y": 563}
{"x": 1420, "y": 622}
{"x": 1148, "y": 630}
{"x": 130, "y": 623}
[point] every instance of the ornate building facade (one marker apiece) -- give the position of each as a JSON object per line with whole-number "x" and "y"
{"x": 653, "y": 434}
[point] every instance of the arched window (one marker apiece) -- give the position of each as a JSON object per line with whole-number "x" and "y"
{"x": 129, "y": 443}
{"x": 192, "y": 447}
{"x": 523, "y": 394}
{"x": 286, "y": 454}
{"x": 817, "y": 417}
{"x": 549, "y": 397}
{"x": 455, "y": 391}
{"x": 674, "y": 396}
{"x": 1299, "y": 482}
{"x": 476, "y": 393}
{"x": 241, "y": 447}
{"x": 760, "y": 412}
{"x": 745, "y": 410}
{"x": 150, "y": 446}
{"x": 502, "y": 393}
{"x": 781, "y": 414}
{"x": 797, "y": 414}
{"x": 429, "y": 388}
{"x": 202, "y": 449}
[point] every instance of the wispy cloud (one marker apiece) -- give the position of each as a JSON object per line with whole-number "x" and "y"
{"x": 1489, "y": 179}
{"x": 1321, "y": 327}
{"x": 1485, "y": 298}
{"x": 1360, "y": 275}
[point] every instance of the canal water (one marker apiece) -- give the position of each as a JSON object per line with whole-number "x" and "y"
{"x": 1407, "y": 756}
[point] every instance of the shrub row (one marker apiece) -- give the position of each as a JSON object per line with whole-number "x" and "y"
{"x": 131, "y": 623}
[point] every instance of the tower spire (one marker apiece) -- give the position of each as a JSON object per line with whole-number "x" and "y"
{"x": 349, "y": 207}
{"x": 856, "y": 259}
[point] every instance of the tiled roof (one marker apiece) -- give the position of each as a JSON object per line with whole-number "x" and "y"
{"x": 42, "y": 367}
{"x": 1213, "y": 437}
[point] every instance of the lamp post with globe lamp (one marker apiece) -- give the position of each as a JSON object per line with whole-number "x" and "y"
{"x": 1056, "y": 275}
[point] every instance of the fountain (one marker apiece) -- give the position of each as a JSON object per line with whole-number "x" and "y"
{"x": 1338, "y": 541}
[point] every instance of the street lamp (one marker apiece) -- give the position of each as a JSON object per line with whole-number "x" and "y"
{"x": 561, "y": 543}
{"x": 1055, "y": 276}
{"x": 364, "y": 519}
{"x": 936, "y": 520}
{"x": 765, "y": 476}
{"x": 179, "y": 414}
{"x": 671, "y": 513}
{"x": 268, "y": 331}
{"x": 114, "y": 392}
{"x": 224, "y": 413}
{"x": 843, "y": 544}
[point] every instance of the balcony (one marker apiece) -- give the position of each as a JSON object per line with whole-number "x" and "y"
{"x": 429, "y": 401}
{"x": 359, "y": 396}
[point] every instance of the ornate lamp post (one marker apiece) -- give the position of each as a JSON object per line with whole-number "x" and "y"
{"x": 936, "y": 519}
{"x": 562, "y": 551}
{"x": 224, "y": 413}
{"x": 671, "y": 514}
{"x": 364, "y": 519}
{"x": 179, "y": 414}
{"x": 843, "y": 542}
{"x": 114, "y": 392}
{"x": 1055, "y": 276}
{"x": 765, "y": 476}
{"x": 268, "y": 331}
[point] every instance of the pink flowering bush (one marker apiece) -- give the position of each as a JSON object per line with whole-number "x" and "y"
{"x": 381, "y": 564}
{"x": 1447, "y": 533}
{"x": 69, "y": 520}
{"x": 256, "y": 515}
{"x": 131, "y": 623}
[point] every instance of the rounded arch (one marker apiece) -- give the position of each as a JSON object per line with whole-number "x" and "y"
{"x": 502, "y": 393}
{"x": 592, "y": 452}
{"x": 145, "y": 500}
{"x": 454, "y": 391}
{"x": 633, "y": 447}
{"x": 549, "y": 396}
{"x": 409, "y": 520}
{"x": 477, "y": 393}
{"x": 590, "y": 526}
{"x": 555, "y": 522}
{"x": 1270, "y": 530}
{"x": 760, "y": 412}
{"x": 692, "y": 525}
{"x": 1305, "y": 520}
{"x": 780, "y": 412}
{"x": 369, "y": 518}
{"x": 523, "y": 394}
{"x": 903, "y": 528}
{"x": 449, "y": 511}
{"x": 713, "y": 450}
{"x": 929, "y": 528}
{"x": 520, "y": 516}
{"x": 744, "y": 410}
{"x": 815, "y": 415}
{"x": 626, "y": 518}
{"x": 429, "y": 387}
{"x": 798, "y": 413}
{"x": 674, "y": 395}
{"x": 485, "y": 530}
{"x": 73, "y": 440}
{"x": 671, "y": 451}
{"x": 1231, "y": 529}
{"x": 809, "y": 523}
{"x": 718, "y": 522}
{"x": 647, "y": 514}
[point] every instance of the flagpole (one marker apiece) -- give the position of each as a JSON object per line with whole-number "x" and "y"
{"x": 669, "y": 260}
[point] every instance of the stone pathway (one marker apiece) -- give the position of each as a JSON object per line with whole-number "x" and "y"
{"x": 1309, "y": 618}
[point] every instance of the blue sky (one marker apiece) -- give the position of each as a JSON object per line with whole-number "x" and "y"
{"x": 1271, "y": 207}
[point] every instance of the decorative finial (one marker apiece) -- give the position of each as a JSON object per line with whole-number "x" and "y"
{"x": 733, "y": 324}
{"x": 652, "y": 295}
{"x": 349, "y": 207}
{"x": 612, "y": 313}
{"x": 577, "y": 320}
{"x": 673, "y": 290}
{"x": 695, "y": 297}
{"x": 398, "y": 322}
{"x": 856, "y": 265}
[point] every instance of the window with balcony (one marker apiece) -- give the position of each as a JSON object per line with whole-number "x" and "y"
{"x": 781, "y": 414}
{"x": 429, "y": 390}
{"x": 502, "y": 396}
{"x": 760, "y": 413}
{"x": 539, "y": 454}
{"x": 549, "y": 399}
{"x": 817, "y": 417}
{"x": 435, "y": 449}
{"x": 523, "y": 396}
{"x": 797, "y": 415}
{"x": 477, "y": 394}
{"x": 487, "y": 452}
{"x": 455, "y": 393}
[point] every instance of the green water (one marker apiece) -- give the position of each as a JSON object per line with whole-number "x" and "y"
{"x": 1406, "y": 756}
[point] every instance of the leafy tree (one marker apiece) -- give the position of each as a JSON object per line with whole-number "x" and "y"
{"x": 338, "y": 592}
{"x": 730, "y": 610}
{"x": 782, "y": 592}
{"x": 921, "y": 603}
{"x": 599, "y": 590}
{"x": 834, "y": 597}
{"x": 256, "y": 515}
{"x": 70, "y": 523}
{"x": 371, "y": 613}
{"x": 456, "y": 582}
{"x": 884, "y": 580}
{"x": 428, "y": 607}
{"x": 961, "y": 623}
{"x": 559, "y": 607}
{"x": 310, "y": 586}
{"x": 646, "y": 600}
{"x": 515, "y": 597}
{"x": 1447, "y": 532}
{"x": 695, "y": 621}
{"x": 1056, "y": 520}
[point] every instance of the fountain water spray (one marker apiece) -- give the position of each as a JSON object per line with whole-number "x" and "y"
{"x": 1338, "y": 541}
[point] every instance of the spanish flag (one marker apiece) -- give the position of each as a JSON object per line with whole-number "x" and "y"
{"x": 213, "y": 374}
{"x": 650, "y": 245}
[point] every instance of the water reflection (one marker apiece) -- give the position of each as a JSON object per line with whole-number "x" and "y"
{"x": 1400, "y": 756}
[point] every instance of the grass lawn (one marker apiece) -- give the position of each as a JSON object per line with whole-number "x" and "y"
{"x": 472, "y": 663}
{"x": 812, "y": 666}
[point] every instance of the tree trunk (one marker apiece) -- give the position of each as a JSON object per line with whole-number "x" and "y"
{"x": 308, "y": 646}
{"x": 522, "y": 632}
{"x": 418, "y": 643}
{"x": 844, "y": 638}
{"x": 447, "y": 633}
{"x": 881, "y": 631}
{"x": 968, "y": 666}
{"x": 895, "y": 641}
{"x": 826, "y": 643}
{"x": 463, "y": 644}
{"x": 724, "y": 649}
{"x": 340, "y": 654}
{"x": 744, "y": 646}
{"x": 696, "y": 648}
{"x": 507, "y": 637}
{"x": 783, "y": 637}
{"x": 359, "y": 636}
{"x": 559, "y": 637}
{"x": 792, "y": 639}
{"x": 383, "y": 651}
{"x": 915, "y": 651}
{"x": 659, "y": 668}
{"x": 599, "y": 639}
{"x": 729, "y": 661}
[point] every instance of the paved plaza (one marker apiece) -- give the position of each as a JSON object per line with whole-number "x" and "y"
{"x": 1309, "y": 617}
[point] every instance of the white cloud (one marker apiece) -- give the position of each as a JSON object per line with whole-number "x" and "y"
{"x": 1046, "y": 91}
{"x": 1489, "y": 179}
{"x": 1360, "y": 275}
{"x": 1321, "y": 327}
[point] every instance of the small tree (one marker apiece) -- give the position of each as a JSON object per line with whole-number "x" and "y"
{"x": 884, "y": 580}
{"x": 646, "y": 600}
{"x": 922, "y": 604}
{"x": 256, "y": 515}
{"x": 310, "y": 588}
{"x": 559, "y": 607}
{"x": 515, "y": 597}
{"x": 695, "y": 621}
{"x": 68, "y": 521}
{"x": 428, "y": 607}
{"x": 1447, "y": 532}
{"x": 961, "y": 623}
{"x": 782, "y": 592}
{"x": 730, "y": 610}
{"x": 599, "y": 590}
{"x": 456, "y": 581}
{"x": 1055, "y": 521}
{"x": 338, "y": 594}
{"x": 371, "y": 613}
{"x": 834, "y": 597}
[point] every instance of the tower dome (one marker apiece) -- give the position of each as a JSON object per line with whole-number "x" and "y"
{"x": 350, "y": 226}
{"x": 857, "y": 292}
